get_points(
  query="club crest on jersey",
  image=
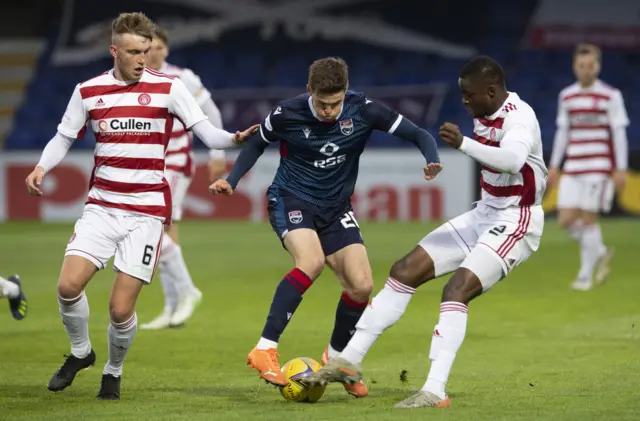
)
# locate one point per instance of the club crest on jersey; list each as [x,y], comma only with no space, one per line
[295,217]
[144,99]
[346,127]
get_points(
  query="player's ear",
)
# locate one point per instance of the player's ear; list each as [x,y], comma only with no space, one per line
[112,50]
[491,91]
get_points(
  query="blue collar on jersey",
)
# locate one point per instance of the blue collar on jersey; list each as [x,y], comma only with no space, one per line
[313,111]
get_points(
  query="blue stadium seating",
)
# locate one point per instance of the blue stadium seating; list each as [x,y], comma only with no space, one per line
[536,75]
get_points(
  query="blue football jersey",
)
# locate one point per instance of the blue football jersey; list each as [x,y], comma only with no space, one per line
[319,160]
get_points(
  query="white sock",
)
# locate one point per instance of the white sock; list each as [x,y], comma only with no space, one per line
[385,310]
[176,265]
[575,230]
[8,289]
[168,287]
[591,249]
[75,318]
[120,336]
[332,353]
[451,329]
[265,344]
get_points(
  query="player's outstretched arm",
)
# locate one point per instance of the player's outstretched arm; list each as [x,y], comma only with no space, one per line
[384,119]
[252,150]
[52,155]
[510,157]
[184,105]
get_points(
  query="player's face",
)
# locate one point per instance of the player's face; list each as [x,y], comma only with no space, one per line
[586,68]
[328,106]
[158,54]
[131,53]
[476,96]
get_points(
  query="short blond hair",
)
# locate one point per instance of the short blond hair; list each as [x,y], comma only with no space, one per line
[587,49]
[133,23]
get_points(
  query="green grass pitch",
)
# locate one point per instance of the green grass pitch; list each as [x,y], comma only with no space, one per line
[535,350]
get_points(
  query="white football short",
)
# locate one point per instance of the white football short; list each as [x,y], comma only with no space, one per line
[489,242]
[586,193]
[134,240]
[179,184]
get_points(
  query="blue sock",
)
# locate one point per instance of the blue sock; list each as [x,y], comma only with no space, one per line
[347,315]
[286,299]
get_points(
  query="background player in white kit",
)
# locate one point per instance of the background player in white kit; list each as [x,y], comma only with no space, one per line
[592,123]
[130,109]
[480,247]
[180,294]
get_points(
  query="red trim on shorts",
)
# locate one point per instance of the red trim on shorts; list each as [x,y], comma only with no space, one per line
[518,234]
[158,248]
[602,194]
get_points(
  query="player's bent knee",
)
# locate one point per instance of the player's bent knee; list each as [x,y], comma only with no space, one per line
[414,269]
[360,290]
[312,266]
[120,312]
[463,287]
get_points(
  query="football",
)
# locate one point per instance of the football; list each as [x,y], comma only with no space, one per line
[296,391]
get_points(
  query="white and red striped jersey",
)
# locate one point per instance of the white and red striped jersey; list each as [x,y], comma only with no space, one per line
[132,123]
[527,187]
[586,120]
[179,155]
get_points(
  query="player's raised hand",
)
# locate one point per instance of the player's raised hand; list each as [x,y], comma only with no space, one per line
[221,186]
[241,137]
[34,181]
[451,134]
[432,170]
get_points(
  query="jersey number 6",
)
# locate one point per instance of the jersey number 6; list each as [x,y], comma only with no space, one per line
[148,255]
[349,220]
[497,230]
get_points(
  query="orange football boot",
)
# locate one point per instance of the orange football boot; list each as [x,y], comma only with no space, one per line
[357,390]
[265,361]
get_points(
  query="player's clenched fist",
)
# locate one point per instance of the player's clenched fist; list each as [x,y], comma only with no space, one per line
[34,181]
[241,137]
[451,134]
[432,170]
[221,187]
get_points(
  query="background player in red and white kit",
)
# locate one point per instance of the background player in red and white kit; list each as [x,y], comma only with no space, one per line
[180,294]
[131,111]
[592,123]
[480,247]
